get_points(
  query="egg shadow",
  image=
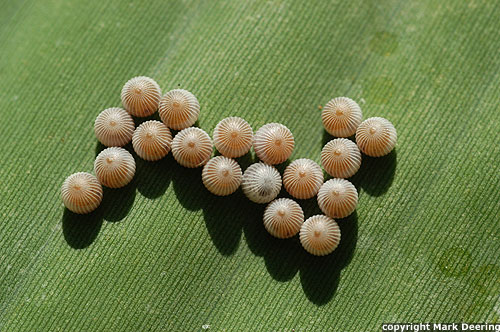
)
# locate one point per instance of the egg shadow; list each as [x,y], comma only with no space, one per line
[280,255]
[222,215]
[189,189]
[140,120]
[320,275]
[284,258]
[327,138]
[224,222]
[99,147]
[376,175]
[153,177]
[80,230]
[117,202]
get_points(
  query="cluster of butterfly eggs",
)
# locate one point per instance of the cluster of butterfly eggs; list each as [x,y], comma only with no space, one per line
[233,137]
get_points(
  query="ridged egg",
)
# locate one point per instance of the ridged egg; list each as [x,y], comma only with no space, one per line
[283,218]
[114,127]
[261,183]
[320,235]
[273,143]
[337,198]
[179,109]
[341,158]
[376,137]
[303,178]
[233,137]
[221,176]
[192,147]
[152,140]
[141,96]
[114,167]
[341,117]
[81,193]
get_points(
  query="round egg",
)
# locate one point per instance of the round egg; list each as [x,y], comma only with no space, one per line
[233,137]
[320,235]
[179,109]
[341,117]
[303,178]
[376,137]
[114,127]
[81,193]
[337,198]
[152,140]
[283,218]
[221,176]
[273,143]
[341,158]
[192,147]
[141,96]
[114,167]
[261,183]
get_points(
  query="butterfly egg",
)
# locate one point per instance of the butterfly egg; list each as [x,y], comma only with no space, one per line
[341,116]
[320,235]
[221,176]
[261,183]
[141,96]
[192,147]
[81,193]
[114,127]
[273,143]
[337,198]
[179,109]
[233,137]
[114,167]
[376,137]
[341,158]
[283,218]
[303,178]
[152,140]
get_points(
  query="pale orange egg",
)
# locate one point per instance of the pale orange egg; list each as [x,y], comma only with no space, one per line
[273,143]
[320,235]
[341,158]
[141,96]
[303,178]
[283,218]
[376,137]
[337,198]
[192,147]
[81,193]
[341,117]
[152,140]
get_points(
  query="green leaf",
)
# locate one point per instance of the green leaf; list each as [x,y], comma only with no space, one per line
[165,255]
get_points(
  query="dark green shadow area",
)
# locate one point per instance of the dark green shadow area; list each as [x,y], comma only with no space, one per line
[225,219]
[320,276]
[117,202]
[285,257]
[376,175]
[153,177]
[138,121]
[223,225]
[80,230]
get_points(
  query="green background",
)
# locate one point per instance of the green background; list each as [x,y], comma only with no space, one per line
[163,254]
